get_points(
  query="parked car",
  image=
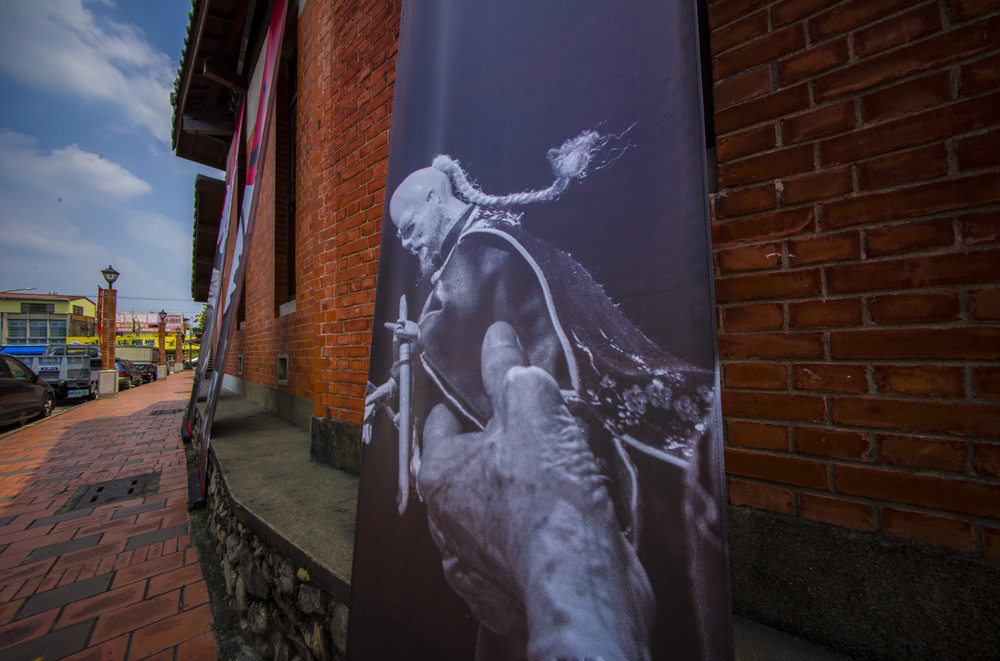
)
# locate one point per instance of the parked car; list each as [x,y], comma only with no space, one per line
[128,374]
[148,371]
[71,370]
[23,395]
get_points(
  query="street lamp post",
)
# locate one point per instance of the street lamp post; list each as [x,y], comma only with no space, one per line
[179,351]
[187,341]
[162,333]
[110,274]
[107,304]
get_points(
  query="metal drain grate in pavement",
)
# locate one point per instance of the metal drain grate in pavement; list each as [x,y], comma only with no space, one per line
[166,411]
[113,491]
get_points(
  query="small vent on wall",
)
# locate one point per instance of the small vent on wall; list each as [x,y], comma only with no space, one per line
[283,370]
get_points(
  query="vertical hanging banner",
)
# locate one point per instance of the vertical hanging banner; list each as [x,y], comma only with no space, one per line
[260,111]
[542,472]
[100,311]
[100,329]
[211,321]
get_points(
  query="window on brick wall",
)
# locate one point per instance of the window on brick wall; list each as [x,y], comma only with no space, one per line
[708,107]
[285,178]
[241,311]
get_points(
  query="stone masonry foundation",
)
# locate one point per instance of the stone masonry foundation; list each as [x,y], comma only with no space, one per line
[290,616]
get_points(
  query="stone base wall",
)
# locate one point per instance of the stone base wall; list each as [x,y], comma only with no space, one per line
[336,443]
[861,594]
[289,615]
[291,407]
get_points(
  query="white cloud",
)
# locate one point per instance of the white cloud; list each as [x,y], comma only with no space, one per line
[166,239]
[43,247]
[60,46]
[68,174]
[67,213]
[52,248]
[51,235]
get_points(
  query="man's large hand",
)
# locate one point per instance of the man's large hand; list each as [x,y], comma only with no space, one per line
[524,523]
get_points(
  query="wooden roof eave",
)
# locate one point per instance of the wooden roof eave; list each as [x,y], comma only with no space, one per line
[208,80]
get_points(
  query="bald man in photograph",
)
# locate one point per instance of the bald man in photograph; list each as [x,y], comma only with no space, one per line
[563,454]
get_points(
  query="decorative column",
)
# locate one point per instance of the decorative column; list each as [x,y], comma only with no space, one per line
[107,299]
[161,369]
[179,349]
[106,335]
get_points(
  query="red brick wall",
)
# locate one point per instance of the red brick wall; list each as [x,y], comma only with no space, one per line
[857,240]
[356,108]
[313,203]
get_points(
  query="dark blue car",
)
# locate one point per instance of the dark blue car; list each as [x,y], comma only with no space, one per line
[23,395]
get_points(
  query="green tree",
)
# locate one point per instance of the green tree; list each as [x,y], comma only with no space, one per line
[198,322]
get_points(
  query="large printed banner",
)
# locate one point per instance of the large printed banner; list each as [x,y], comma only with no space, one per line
[542,472]
[258,127]
[137,322]
[212,320]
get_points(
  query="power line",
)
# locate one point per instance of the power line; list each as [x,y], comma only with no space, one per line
[144,298]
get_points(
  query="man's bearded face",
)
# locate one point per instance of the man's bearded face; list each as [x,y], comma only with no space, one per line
[423,235]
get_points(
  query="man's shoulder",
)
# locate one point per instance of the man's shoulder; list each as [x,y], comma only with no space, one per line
[502,231]
[483,254]
[491,241]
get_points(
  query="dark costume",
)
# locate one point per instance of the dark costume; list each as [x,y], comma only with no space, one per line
[648,415]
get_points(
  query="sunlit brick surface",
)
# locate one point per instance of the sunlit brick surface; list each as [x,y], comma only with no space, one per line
[120,580]
[858,261]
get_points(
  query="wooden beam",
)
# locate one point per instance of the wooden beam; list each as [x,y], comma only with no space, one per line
[207,126]
[221,16]
[216,70]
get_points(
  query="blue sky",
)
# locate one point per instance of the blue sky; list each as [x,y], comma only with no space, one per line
[87,177]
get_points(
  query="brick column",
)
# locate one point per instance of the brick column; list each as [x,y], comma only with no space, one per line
[161,330]
[106,337]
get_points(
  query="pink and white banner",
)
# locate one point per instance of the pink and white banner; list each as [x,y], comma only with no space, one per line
[259,116]
[212,319]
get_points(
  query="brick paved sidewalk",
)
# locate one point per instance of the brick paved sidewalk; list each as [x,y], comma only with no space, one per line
[114,581]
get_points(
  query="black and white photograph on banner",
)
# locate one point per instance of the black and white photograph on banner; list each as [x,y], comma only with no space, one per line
[542,465]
